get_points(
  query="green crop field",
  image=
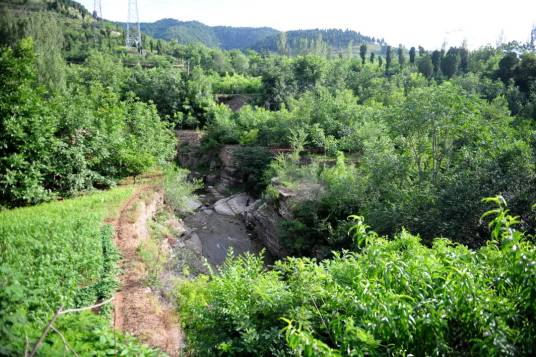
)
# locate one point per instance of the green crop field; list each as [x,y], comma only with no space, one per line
[52,255]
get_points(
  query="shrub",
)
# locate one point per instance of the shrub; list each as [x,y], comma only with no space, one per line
[391,297]
[252,165]
[178,190]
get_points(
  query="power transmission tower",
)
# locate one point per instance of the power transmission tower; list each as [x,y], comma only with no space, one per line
[133,38]
[97,16]
[533,38]
[97,9]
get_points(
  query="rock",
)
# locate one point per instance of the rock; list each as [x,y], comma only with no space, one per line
[266,221]
[234,205]
[194,244]
[208,211]
[221,207]
[192,205]
[239,203]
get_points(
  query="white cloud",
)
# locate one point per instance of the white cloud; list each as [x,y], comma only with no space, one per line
[410,22]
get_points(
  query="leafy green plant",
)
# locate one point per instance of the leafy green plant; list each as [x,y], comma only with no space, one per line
[178,190]
[52,255]
[392,297]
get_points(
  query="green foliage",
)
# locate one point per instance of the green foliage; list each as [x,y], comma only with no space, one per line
[394,297]
[89,334]
[74,141]
[52,255]
[26,128]
[252,165]
[178,190]
[236,84]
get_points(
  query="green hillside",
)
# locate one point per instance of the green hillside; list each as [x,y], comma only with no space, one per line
[261,39]
[188,32]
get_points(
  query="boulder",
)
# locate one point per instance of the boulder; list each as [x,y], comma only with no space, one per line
[194,244]
[234,205]
[192,205]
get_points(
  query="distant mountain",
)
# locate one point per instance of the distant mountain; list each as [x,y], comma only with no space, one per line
[187,32]
[260,39]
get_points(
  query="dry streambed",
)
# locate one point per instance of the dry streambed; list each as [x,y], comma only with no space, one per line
[159,250]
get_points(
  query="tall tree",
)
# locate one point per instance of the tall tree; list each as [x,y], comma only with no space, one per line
[282,43]
[436,61]
[464,59]
[372,57]
[507,66]
[350,49]
[525,73]
[451,62]
[422,51]
[426,68]
[401,56]
[380,61]
[388,58]
[363,53]
[412,53]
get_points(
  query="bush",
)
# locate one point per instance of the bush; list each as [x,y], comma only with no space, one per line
[252,164]
[393,297]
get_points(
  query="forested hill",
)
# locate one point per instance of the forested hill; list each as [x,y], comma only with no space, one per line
[187,32]
[300,40]
[259,39]
[67,8]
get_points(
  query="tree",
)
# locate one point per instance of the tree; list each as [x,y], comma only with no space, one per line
[422,51]
[412,53]
[363,52]
[464,59]
[372,56]
[525,73]
[380,61]
[436,61]
[507,67]
[401,56]
[27,140]
[388,58]
[451,63]
[282,43]
[426,68]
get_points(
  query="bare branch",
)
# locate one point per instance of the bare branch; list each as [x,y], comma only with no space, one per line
[64,341]
[53,319]
[45,332]
[87,307]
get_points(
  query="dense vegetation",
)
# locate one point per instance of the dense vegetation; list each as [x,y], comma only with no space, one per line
[190,32]
[392,297]
[60,254]
[410,139]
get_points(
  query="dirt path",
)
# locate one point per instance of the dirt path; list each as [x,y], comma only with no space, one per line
[138,310]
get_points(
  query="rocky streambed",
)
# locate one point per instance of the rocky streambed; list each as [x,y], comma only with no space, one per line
[217,227]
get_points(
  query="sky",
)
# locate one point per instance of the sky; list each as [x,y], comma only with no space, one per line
[429,23]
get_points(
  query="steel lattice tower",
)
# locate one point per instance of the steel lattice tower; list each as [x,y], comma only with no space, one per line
[133,38]
[97,9]
[533,37]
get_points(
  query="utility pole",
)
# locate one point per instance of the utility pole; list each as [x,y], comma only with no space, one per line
[133,38]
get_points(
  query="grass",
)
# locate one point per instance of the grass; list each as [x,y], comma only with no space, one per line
[52,255]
